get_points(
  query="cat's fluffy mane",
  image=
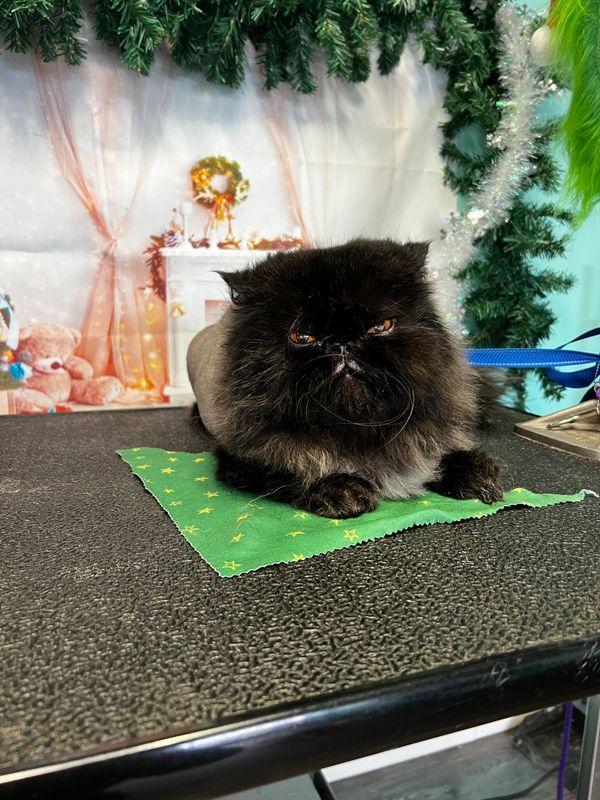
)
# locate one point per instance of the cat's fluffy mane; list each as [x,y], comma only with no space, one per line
[412,401]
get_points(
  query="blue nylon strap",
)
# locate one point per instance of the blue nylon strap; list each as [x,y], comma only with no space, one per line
[529,358]
[548,359]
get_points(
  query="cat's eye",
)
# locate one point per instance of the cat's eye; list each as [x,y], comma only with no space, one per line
[296,337]
[383,327]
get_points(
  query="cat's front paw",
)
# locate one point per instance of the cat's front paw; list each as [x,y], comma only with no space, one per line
[487,490]
[470,475]
[341,496]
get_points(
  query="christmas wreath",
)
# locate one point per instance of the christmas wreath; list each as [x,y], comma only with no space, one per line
[220,203]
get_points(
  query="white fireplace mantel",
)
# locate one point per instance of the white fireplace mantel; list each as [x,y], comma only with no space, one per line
[196,296]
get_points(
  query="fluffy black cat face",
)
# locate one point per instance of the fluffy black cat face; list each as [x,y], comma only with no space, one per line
[343,335]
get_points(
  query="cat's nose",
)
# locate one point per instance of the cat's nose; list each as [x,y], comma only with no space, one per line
[350,366]
[343,366]
[342,361]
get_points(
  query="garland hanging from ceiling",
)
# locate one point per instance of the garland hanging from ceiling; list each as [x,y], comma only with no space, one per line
[517,148]
[505,301]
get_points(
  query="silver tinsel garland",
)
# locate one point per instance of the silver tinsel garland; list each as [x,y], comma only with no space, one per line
[514,140]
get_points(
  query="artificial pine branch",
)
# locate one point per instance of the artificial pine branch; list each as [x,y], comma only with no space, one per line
[20,22]
[57,33]
[134,26]
[301,48]
[68,24]
[393,32]
[223,58]
[360,25]
[329,33]
[182,21]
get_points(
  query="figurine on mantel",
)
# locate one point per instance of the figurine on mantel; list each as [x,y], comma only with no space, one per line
[288,240]
[285,241]
[185,211]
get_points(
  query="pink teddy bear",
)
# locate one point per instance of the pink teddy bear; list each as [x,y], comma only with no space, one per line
[58,375]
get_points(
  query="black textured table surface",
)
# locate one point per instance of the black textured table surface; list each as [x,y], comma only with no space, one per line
[113,630]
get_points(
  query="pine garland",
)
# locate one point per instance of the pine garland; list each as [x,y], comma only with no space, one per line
[506,304]
[156,265]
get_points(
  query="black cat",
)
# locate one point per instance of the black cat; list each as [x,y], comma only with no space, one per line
[332,383]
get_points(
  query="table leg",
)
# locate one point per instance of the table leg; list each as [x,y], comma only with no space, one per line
[588,784]
[322,786]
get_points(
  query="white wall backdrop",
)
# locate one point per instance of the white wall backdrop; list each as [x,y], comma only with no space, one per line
[95,158]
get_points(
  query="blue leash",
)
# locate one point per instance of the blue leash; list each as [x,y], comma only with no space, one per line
[548,359]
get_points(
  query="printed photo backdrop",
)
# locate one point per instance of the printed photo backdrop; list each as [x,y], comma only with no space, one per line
[107,243]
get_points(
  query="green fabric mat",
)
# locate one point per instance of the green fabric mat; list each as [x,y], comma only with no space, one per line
[236,532]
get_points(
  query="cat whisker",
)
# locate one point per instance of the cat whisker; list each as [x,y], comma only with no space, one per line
[381,424]
[395,436]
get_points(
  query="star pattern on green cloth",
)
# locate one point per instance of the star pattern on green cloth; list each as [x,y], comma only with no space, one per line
[236,532]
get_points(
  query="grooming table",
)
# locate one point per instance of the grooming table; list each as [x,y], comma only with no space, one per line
[129,669]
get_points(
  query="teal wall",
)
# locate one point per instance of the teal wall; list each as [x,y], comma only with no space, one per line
[579,309]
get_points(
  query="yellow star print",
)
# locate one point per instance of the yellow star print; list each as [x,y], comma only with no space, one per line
[300,515]
[143,466]
[176,503]
[201,478]
[424,503]
[172,460]
[168,491]
[298,557]
[232,565]
[191,529]
[211,494]
[170,451]
[335,521]
[296,533]
[198,460]
[479,516]
[135,449]
[242,517]
[205,510]
[237,537]
[167,470]
[351,535]
[518,491]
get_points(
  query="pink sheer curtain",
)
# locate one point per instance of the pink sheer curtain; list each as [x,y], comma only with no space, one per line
[105,140]
[363,159]
[276,125]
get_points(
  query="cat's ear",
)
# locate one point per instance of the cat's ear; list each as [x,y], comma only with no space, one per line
[406,268]
[419,251]
[414,254]
[239,283]
[406,258]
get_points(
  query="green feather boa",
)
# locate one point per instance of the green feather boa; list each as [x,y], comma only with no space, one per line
[576,38]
